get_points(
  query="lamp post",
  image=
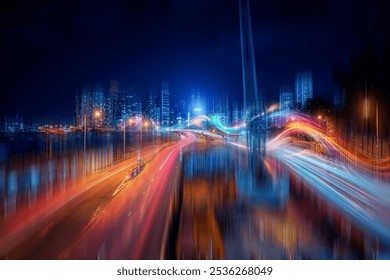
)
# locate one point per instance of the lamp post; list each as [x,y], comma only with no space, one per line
[96,115]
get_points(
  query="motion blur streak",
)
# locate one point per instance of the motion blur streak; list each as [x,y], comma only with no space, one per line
[331,172]
[307,126]
[131,226]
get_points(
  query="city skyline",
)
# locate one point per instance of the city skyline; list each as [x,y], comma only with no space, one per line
[188,44]
[115,101]
[197,129]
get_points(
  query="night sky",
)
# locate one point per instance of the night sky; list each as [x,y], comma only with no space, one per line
[48,48]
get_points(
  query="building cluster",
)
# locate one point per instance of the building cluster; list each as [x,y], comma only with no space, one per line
[111,107]
[99,107]
[296,98]
[293,97]
[13,123]
[16,123]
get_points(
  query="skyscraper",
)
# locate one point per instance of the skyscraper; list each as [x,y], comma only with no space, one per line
[86,106]
[98,104]
[286,103]
[118,103]
[236,114]
[286,98]
[88,103]
[196,105]
[165,105]
[151,104]
[107,111]
[303,88]
[133,101]
[78,113]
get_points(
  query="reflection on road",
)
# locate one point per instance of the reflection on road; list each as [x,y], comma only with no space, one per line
[186,196]
[259,208]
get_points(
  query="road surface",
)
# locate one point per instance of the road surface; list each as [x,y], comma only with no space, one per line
[108,220]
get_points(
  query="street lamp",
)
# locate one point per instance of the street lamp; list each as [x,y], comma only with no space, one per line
[97,116]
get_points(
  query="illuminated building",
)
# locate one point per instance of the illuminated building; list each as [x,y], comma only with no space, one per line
[303,88]
[237,115]
[78,114]
[286,103]
[179,114]
[14,123]
[107,111]
[90,102]
[98,104]
[286,98]
[151,104]
[84,107]
[118,103]
[133,102]
[221,108]
[196,106]
[165,105]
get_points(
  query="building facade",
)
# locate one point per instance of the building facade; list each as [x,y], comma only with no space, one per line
[165,105]
[303,88]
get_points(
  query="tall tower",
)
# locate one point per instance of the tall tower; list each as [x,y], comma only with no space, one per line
[303,88]
[165,108]
[116,103]
[252,104]
[286,98]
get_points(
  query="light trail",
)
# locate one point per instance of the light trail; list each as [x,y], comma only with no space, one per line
[132,223]
[309,127]
[216,122]
[241,146]
[340,176]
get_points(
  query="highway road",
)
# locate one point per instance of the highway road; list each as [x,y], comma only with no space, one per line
[107,220]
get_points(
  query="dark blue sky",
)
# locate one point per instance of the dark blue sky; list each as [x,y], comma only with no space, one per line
[48,48]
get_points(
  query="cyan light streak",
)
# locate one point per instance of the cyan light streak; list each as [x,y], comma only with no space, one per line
[235,130]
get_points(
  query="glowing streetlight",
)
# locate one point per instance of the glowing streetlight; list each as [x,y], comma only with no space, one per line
[97,114]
